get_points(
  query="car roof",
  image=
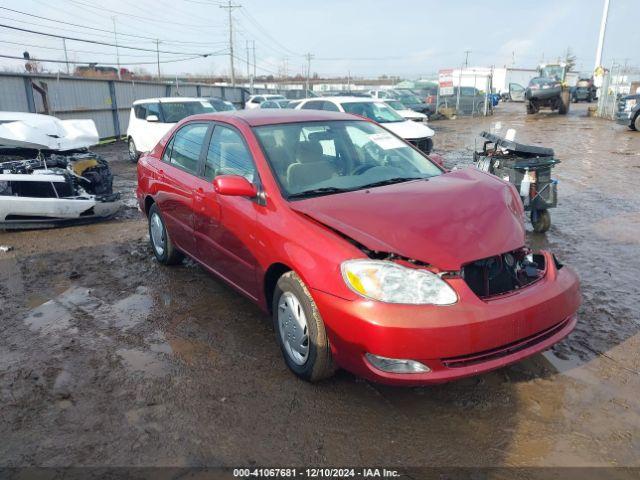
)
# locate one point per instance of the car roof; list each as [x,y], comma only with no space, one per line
[170,100]
[339,99]
[258,117]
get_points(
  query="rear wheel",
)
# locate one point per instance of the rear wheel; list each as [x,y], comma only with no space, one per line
[531,108]
[636,123]
[541,220]
[133,151]
[565,101]
[163,248]
[300,330]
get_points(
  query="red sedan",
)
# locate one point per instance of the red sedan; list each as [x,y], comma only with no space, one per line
[367,254]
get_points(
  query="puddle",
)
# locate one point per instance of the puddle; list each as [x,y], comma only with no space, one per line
[56,314]
[146,362]
[133,309]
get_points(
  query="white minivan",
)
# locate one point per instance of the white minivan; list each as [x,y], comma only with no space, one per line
[416,133]
[150,119]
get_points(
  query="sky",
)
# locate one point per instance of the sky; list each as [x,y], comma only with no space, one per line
[409,39]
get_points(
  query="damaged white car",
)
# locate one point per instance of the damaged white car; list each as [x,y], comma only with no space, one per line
[48,177]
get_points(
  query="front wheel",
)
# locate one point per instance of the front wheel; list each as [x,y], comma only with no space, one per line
[636,123]
[541,220]
[300,330]
[163,248]
[134,155]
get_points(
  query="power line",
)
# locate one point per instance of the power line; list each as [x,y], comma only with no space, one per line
[70,23]
[104,63]
[139,17]
[251,19]
[91,52]
[97,42]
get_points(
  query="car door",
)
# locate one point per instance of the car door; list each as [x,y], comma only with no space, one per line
[151,127]
[225,225]
[516,92]
[177,187]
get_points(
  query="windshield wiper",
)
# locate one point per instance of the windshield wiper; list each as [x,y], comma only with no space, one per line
[391,181]
[318,191]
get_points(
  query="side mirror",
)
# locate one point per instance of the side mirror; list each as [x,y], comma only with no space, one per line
[234,186]
[152,118]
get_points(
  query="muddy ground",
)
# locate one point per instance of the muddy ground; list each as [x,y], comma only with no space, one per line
[107,358]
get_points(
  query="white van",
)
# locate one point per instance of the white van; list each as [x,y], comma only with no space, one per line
[150,119]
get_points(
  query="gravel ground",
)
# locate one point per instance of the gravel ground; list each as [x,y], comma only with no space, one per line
[109,359]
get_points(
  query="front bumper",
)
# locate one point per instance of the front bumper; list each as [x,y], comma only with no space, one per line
[471,337]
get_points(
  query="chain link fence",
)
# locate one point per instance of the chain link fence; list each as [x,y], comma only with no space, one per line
[472,97]
[617,82]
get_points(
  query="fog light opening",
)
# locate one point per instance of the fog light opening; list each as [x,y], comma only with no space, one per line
[396,365]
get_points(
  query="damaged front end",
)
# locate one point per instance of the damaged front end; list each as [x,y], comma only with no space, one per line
[42,189]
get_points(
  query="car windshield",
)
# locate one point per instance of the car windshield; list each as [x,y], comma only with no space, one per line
[173,112]
[376,111]
[553,71]
[322,158]
[275,97]
[408,98]
[395,104]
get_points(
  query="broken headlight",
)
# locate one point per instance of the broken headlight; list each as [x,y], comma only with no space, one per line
[392,283]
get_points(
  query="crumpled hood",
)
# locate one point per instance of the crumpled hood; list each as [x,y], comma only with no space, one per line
[44,132]
[446,221]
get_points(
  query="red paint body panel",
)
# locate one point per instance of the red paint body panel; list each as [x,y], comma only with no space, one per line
[487,218]
[446,221]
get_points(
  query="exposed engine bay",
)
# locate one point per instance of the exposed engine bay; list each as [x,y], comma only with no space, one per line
[503,273]
[43,182]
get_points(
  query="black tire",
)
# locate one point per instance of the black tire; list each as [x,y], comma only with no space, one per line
[635,125]
[563,107]
[319,362]
[531,108]
[543,221]
[168,254]
[134,154]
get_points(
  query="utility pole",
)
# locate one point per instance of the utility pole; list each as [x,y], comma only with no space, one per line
[115,35]
[66,56]
[308,56]
[466,58]
[254,59]
[158,56]
[603,28]
[230,8]
[248,72]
